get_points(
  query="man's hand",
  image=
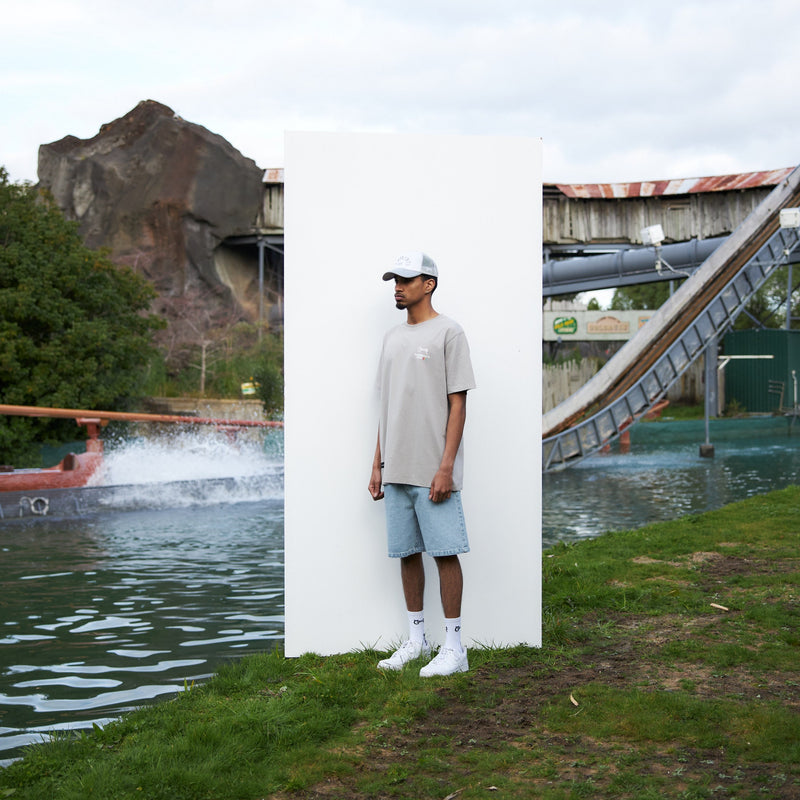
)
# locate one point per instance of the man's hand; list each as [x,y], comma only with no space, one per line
[441,485]
[376,478]
[375,484]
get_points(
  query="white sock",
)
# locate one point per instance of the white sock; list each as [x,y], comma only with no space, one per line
[452,634]
[416,626]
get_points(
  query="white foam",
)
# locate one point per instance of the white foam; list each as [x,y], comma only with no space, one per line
[183,456]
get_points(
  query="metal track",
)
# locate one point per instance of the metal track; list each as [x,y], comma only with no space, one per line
[702,309]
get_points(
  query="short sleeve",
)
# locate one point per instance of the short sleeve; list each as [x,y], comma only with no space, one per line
[458,364]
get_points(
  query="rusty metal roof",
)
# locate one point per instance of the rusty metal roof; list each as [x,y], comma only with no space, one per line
[720,183]
[273,175]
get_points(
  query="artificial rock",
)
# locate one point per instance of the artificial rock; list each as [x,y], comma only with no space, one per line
[162,194]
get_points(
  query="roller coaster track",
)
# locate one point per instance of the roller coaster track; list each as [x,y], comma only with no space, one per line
[700,311]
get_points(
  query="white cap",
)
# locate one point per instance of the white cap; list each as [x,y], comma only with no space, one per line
[409,265]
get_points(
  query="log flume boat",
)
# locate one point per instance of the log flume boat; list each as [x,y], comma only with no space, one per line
[76,470]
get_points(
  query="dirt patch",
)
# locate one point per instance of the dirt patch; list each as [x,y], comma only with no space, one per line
[514,719]
[726,566]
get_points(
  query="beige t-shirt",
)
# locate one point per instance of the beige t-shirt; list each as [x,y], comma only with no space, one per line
[419,366]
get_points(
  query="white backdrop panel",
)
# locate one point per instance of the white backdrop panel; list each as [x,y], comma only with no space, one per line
[353,202]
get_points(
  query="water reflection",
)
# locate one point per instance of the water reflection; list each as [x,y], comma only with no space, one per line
[663,476]
[99,615]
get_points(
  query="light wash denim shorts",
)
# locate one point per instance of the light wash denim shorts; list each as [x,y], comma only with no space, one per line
[416,524]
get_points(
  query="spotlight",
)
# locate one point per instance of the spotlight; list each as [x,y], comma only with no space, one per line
[653,235]
[790,217]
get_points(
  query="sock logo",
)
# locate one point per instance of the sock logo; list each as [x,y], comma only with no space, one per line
[418,621]
[456,629]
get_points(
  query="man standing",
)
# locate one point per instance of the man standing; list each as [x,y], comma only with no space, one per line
[424,375]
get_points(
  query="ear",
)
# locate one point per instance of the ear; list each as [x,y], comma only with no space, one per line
[429,284]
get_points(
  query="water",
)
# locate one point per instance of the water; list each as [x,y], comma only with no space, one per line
[180,567]
[663,477]
[103,612]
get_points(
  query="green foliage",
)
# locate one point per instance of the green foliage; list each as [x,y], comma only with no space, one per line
[73,327]
[640,296]
[572,356]
[767,307]
[683,411]
[239,357]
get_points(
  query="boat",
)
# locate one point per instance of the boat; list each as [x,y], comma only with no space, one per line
[31,490]
[75,470]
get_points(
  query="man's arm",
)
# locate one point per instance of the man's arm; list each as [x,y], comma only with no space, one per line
[375,478]
[442,483]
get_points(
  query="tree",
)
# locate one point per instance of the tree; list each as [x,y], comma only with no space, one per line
[196,323]
[73,327]
[767,307]
[640,296]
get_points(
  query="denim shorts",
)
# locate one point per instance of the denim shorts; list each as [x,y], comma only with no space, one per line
[416,524]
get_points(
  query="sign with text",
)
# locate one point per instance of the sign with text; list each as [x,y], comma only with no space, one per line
[609,326]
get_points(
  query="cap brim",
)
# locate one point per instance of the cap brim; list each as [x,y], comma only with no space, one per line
[401,273]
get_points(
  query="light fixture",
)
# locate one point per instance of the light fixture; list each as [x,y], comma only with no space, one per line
[790,217]
[653,235]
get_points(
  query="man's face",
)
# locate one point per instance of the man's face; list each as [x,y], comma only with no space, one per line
[408,291]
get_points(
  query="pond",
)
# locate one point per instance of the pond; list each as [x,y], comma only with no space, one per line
[183,570]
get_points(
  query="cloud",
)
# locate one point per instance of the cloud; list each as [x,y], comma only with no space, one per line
[618,90]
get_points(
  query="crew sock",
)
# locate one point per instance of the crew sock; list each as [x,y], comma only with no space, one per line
[452,634]
[416,626]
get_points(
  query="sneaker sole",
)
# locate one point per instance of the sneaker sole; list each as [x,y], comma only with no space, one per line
[423,674]
[386,665]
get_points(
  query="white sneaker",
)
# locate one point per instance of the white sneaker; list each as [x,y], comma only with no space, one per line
[447,662]
[407,651]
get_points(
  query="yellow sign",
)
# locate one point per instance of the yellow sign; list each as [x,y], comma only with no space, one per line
[565,325]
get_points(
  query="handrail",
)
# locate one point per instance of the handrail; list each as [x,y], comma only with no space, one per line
[124,416]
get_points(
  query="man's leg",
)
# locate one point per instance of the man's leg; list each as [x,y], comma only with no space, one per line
[452,657]
[451,585]
[412,573]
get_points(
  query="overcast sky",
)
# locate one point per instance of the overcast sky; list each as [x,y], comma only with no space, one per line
[618,90]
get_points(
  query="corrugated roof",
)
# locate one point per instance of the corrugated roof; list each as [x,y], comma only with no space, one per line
[720,183]
[273,175]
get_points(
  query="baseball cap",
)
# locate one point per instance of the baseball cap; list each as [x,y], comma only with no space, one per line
[409,265]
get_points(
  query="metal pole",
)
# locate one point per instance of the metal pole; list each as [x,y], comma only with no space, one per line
[710,358]
[126,416]
[789,300]
[260,287]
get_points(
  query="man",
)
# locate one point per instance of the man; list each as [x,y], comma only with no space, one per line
[423,378]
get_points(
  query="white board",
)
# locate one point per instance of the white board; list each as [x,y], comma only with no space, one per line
[353,202]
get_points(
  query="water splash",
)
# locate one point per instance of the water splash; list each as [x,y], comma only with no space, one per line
[181,468]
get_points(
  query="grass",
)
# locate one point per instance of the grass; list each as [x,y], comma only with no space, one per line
[669,670]
[684,411]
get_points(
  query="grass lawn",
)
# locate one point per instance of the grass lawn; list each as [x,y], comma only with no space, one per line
[670,669]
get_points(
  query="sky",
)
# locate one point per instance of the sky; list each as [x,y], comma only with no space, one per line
[618,90]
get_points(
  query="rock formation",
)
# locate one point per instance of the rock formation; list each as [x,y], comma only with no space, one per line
[162,193]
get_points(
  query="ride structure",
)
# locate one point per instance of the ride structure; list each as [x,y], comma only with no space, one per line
[683,329]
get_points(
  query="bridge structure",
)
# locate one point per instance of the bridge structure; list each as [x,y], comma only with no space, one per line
[724,234]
